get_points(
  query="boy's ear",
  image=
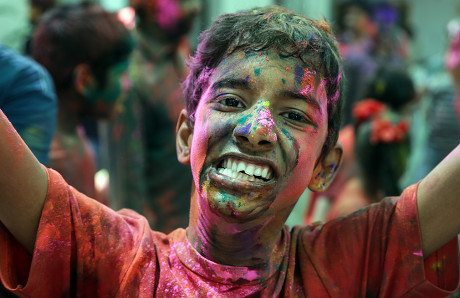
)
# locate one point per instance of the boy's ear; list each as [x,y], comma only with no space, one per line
[82,78]
[326,169]
[184,137]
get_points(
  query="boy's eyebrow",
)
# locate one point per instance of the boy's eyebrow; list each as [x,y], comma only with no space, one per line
[311,101]
[231,83]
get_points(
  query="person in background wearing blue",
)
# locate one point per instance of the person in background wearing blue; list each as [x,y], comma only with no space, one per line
[28,99]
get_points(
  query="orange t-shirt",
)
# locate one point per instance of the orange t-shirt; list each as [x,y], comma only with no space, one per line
[85,249]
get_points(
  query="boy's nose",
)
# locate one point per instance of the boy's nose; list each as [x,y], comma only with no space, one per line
[258,133]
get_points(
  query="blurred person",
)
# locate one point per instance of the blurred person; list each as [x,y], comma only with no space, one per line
[357,34]
[148,178]
[37,8]
[376,148]
[393,42]
[28,98]
[85,49]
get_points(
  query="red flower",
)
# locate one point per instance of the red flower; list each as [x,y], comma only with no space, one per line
[383,131]
[366,109]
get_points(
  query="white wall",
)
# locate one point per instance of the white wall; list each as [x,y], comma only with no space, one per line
[217,8]
[429,19]
[114,5]
[315,9]
[14,23]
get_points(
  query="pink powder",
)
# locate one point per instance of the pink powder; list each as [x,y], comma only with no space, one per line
[265,119]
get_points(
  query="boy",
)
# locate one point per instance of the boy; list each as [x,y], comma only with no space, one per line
[263,109]
[85,49]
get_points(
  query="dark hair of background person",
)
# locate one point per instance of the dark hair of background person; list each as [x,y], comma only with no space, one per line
[83,33]
[270,28]
[381,165]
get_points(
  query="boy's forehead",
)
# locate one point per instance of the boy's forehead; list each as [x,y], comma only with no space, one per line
[269,66]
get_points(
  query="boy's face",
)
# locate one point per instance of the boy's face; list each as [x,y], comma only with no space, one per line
[258,133]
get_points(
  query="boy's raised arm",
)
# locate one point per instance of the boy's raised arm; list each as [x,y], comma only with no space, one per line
[23,186]
[438,201]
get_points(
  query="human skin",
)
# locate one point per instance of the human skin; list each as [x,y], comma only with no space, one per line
[267,111]
[23,186]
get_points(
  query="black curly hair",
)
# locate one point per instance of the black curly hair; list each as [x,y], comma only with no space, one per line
[277,28]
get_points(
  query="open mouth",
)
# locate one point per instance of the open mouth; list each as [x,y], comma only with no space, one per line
[244,170]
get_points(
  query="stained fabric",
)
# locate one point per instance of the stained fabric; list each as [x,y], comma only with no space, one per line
[85,249]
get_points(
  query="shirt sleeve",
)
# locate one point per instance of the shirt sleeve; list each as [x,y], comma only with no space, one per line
[82,248]
[377,252]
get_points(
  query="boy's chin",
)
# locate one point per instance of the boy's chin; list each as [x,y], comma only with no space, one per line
[237,207]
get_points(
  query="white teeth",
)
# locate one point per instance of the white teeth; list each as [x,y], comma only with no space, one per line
[264,173]
[250,170]
[242,170]
[241,166]
[234,165]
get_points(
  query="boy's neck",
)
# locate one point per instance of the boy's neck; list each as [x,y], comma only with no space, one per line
[249,244]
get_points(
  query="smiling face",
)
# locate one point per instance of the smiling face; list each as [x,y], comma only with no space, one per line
[258,133]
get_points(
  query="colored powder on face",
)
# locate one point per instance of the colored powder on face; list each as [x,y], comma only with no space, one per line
[257,71]
[243,130]
[287,134]
[322,89]
[246,79]
[265,119]
[307,82]
[299,72]
[243,120]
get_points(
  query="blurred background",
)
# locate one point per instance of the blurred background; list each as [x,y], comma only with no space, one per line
[427,18]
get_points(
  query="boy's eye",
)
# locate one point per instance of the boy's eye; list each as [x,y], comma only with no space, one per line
[231,102]
[295,117]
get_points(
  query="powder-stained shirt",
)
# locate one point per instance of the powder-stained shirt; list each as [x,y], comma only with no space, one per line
[85,249]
